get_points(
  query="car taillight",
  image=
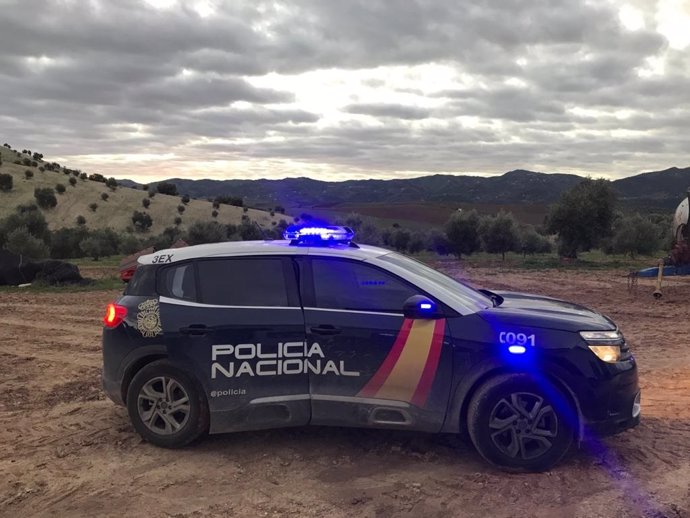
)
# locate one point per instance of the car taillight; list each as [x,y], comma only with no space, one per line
[114,315]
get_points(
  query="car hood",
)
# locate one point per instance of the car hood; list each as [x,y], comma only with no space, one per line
[524,309]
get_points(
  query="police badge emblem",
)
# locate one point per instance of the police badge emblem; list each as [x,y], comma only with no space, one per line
[149,319]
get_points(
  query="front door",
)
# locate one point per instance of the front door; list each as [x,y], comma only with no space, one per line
[238,326]
[377,368]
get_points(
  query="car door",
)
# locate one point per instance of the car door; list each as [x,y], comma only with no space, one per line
[377,368]
[237,324]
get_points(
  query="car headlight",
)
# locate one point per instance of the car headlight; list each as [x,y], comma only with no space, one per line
[601,336]
[605,344]
[607,353]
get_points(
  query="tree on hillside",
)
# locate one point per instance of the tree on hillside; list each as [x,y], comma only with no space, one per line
[146,203]
[462,231]
[205,232]
[180,209]
[400,239]
[93,206]
[94,247]
[167,188]
[97,177]
[185,199]
[20,241]
[72,181]
[111,183]
[499,234]
[83,176]
[6,182]
[60,188]
[28,174]
[142,221]
[81,220]
[104,196]
[45,197]
[214,213]
[236,201]
[634,235]
[25,216]
[177,220]
[583,216]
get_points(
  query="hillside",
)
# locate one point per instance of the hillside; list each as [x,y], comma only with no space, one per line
[512,187]
[117,211]
[654,190]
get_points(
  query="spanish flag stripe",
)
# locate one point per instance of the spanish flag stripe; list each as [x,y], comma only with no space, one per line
[378,379]
[403,379]
[427,380]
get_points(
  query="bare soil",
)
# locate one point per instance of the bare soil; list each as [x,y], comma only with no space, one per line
[67,451]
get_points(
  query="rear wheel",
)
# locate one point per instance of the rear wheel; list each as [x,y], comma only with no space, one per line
[519,424]
[166,406]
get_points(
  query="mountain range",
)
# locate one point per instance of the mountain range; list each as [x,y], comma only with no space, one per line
[657,190]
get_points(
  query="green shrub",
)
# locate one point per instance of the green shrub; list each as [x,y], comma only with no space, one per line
[45,197]
[104,196]
[93,206]
[146,203]
[81,220]
[167,188]
[205,232]
[214,214]
[462,232]
[6,182]
[20,241]
[178,220]
[73,181]
[28,174]
[60,188]
[142,221]
[180,209]
[185,199]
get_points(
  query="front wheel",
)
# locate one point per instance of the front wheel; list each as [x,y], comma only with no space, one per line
[166,406]
[520,424]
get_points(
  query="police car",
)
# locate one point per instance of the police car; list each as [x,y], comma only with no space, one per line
[318,330]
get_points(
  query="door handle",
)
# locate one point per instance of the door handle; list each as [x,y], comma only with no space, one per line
[326,329]
[194,330]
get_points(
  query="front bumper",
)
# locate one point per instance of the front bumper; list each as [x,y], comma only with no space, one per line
[616,422]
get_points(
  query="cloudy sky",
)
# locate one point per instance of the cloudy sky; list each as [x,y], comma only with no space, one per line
[339,89]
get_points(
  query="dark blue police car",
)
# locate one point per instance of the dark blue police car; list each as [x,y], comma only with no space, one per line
[317,330]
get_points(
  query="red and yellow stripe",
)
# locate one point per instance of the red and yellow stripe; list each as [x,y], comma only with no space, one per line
[408,372]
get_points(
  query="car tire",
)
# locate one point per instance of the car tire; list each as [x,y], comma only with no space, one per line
[166,405]
[520,423]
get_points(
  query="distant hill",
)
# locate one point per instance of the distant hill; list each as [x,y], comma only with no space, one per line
[512,187]
[661,190]
[116,212]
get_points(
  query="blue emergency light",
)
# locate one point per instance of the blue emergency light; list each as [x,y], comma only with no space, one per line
[321,235]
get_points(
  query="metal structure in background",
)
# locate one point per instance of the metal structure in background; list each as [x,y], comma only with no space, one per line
[678,260]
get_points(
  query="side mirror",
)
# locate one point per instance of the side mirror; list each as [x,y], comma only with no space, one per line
[421,307]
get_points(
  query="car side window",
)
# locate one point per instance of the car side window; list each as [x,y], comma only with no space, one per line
[250,281]
[143,283]
[178,282]
[351,285]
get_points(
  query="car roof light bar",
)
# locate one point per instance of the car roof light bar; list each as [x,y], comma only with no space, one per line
[319,235]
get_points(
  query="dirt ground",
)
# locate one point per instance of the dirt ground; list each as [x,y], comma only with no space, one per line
[67,451]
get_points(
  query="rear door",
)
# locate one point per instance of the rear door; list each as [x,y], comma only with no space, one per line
[240,329]
[377,368]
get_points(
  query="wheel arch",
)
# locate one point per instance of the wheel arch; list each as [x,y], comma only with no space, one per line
[456,415]
[137,360]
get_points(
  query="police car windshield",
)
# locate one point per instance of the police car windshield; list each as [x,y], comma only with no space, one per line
[422,270]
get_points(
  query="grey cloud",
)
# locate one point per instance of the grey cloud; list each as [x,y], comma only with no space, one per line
[397,111]
[120,63]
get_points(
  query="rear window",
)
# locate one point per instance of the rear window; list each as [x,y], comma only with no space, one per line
[247,282]
[177,282]
[143,283]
